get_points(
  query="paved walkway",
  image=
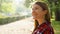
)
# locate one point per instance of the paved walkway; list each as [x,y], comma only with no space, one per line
[24,26]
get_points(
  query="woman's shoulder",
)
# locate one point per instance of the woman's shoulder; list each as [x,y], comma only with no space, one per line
[49,30]
[45,26]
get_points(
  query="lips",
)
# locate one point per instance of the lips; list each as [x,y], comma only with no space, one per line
[33,16]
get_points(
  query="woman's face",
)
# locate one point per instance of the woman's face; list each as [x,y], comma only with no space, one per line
[37,11]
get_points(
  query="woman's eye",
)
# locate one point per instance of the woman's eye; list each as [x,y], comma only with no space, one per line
[36,8]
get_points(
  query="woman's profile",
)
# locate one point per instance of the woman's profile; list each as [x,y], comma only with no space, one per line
[41,16]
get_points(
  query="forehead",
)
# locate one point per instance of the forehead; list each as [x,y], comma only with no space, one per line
[35,6]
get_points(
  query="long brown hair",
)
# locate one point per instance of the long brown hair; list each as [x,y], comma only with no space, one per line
[47,16]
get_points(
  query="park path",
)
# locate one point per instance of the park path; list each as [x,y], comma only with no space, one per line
[24,26]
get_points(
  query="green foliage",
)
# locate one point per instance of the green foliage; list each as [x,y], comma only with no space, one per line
[27,3]
[1,16]
[6,7]
[6,20]
[56,26]
[10,19]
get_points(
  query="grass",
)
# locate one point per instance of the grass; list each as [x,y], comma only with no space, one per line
[56,26]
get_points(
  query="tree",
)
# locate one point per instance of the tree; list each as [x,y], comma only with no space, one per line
[27,3]
[57,12]
[6,6]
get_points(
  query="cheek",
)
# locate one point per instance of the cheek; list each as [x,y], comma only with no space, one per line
[40,13]
[38,10]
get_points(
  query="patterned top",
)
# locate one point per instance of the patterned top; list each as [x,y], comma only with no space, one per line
[44,28]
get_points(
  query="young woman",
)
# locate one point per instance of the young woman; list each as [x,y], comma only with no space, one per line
[41,16]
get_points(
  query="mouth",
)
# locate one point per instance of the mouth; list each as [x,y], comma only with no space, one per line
[34,17]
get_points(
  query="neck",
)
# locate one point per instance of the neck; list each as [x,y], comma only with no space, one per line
[41,20]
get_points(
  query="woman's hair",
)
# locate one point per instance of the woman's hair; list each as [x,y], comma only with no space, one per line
[47,16]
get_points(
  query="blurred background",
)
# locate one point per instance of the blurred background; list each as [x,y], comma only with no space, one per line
[16,14]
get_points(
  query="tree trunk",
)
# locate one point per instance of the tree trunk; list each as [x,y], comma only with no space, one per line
[57,14]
